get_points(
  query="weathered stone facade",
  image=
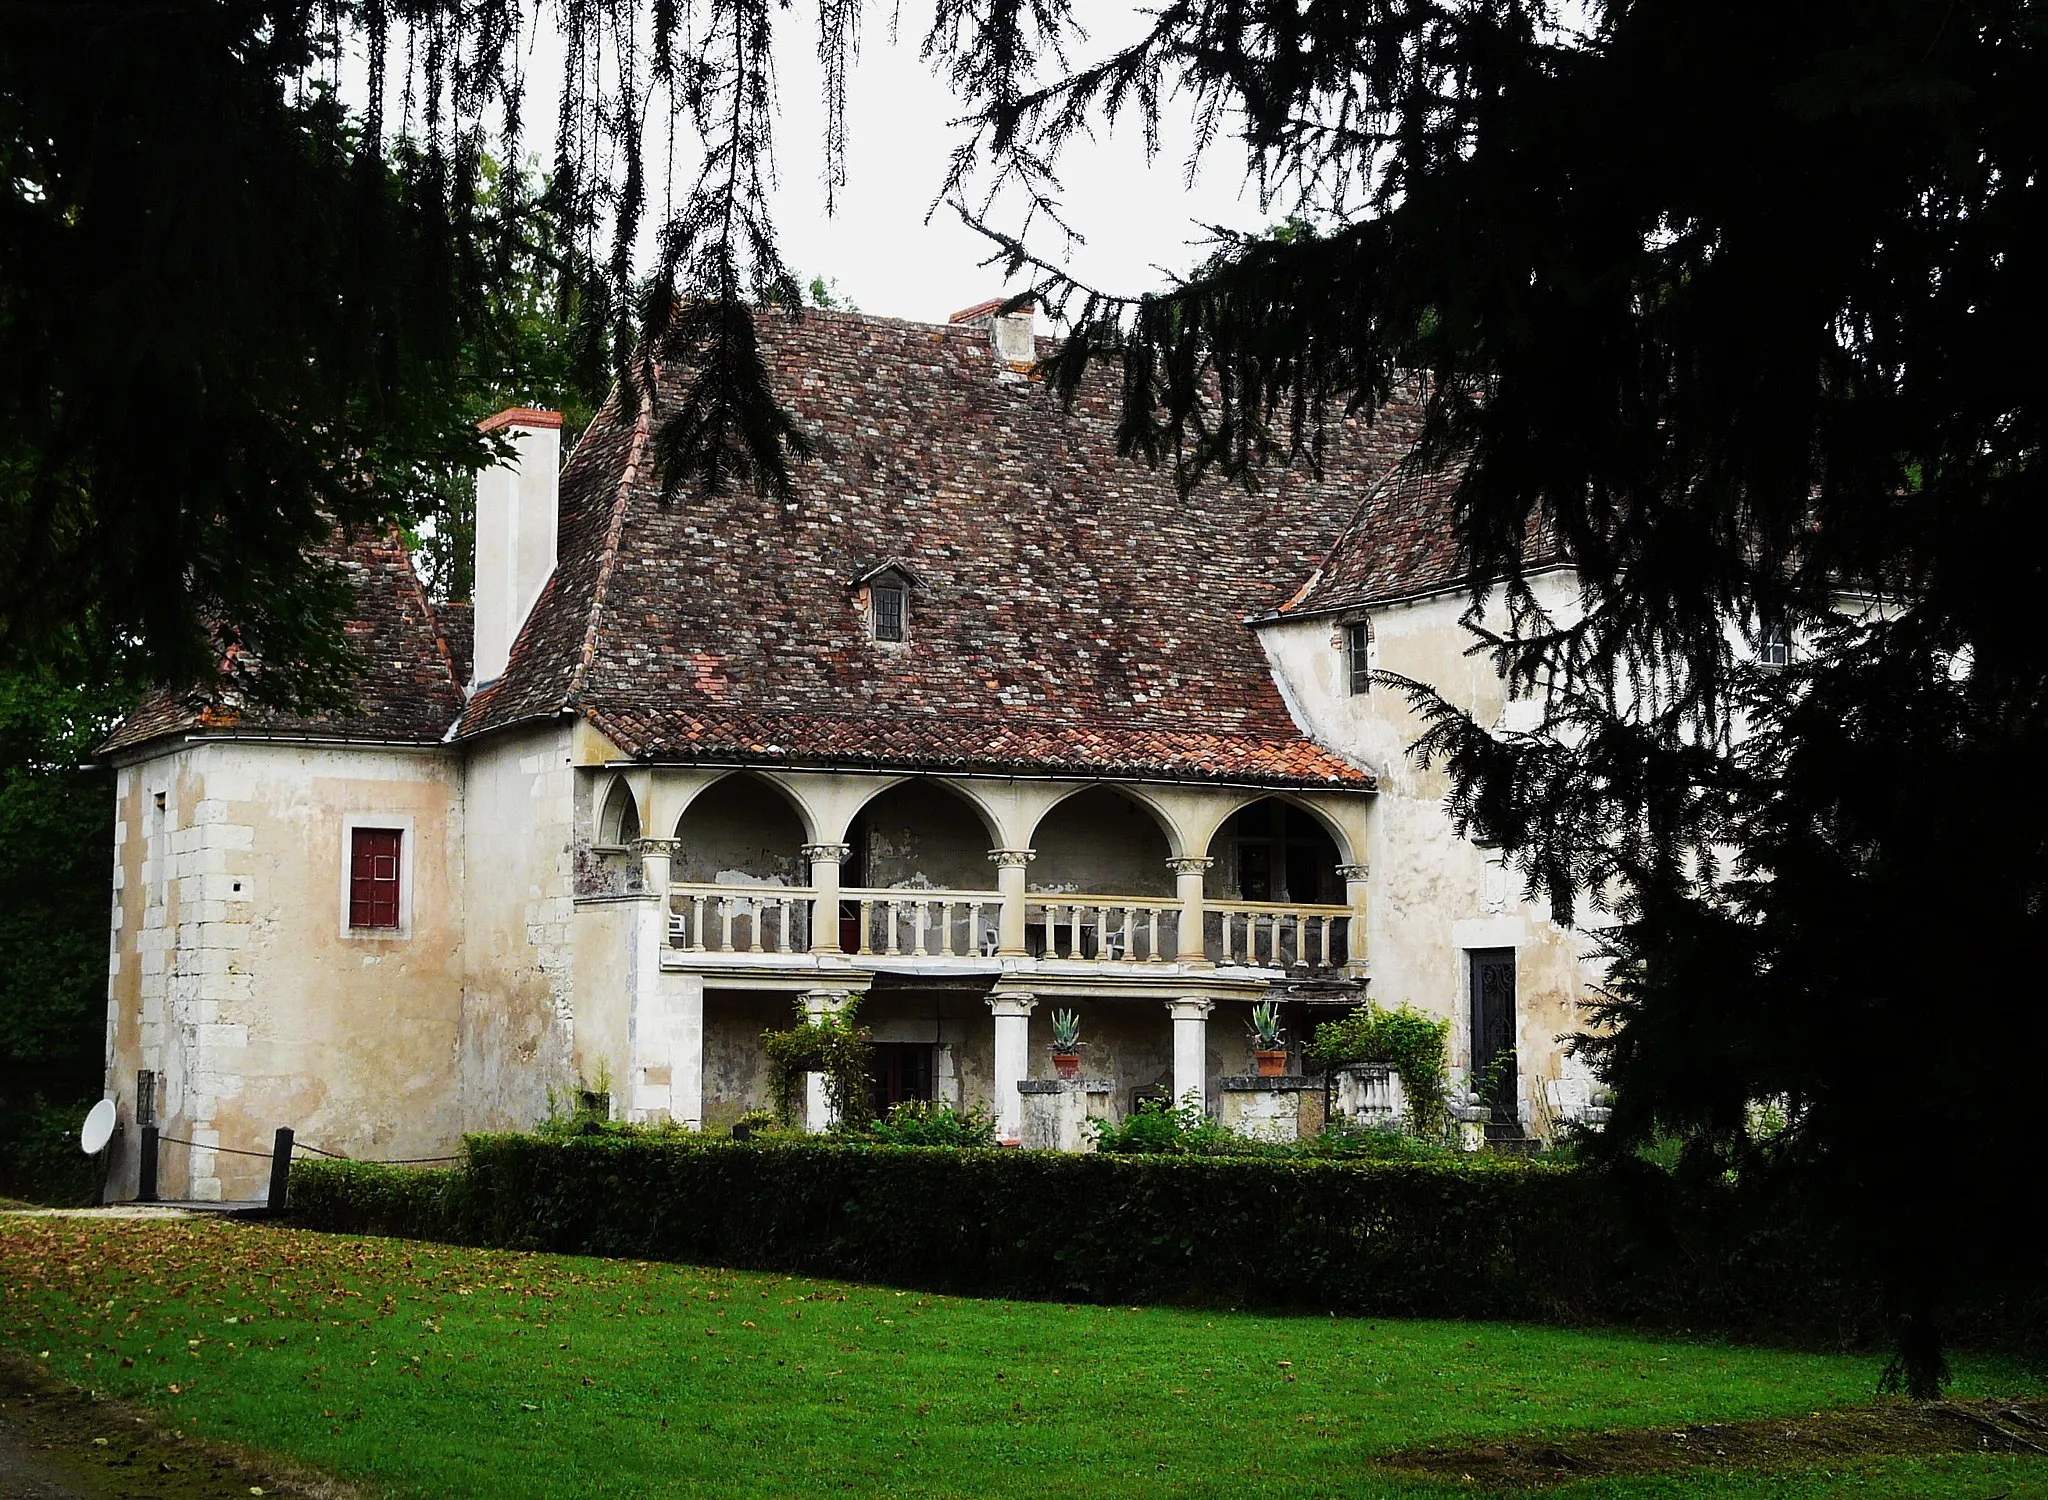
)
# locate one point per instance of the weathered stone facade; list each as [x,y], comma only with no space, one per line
[1115,764]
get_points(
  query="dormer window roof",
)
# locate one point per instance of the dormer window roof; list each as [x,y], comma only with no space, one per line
[888,600]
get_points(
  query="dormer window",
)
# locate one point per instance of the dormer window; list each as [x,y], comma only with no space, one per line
[1774,649]
[1358,657]
[887,589]
[888,612]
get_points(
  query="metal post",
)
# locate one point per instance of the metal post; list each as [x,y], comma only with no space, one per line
[280,1169]
[145,1187]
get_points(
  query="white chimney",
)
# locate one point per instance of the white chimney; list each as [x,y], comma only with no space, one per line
[515,532]
[1013,337]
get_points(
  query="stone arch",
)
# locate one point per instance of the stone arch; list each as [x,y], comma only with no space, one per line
[752,832]
[618,818]
[1104,840]
[1200,839]
[1277,848]
[922,832]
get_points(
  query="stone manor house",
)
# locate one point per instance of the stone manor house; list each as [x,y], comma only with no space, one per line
[981,723]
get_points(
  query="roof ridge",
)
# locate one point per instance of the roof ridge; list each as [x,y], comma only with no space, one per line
[614,534]
[1343,534]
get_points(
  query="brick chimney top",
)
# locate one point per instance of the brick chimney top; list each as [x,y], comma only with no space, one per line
[521,416]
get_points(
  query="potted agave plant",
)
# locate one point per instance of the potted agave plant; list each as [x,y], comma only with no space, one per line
[1066,1044]
[1269,1042]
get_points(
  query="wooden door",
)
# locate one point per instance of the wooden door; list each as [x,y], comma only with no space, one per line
[1493,1032]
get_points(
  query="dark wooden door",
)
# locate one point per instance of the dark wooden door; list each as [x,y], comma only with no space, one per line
[1493,1031]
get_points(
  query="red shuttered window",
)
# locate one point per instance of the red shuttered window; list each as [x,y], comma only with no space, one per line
[373,877]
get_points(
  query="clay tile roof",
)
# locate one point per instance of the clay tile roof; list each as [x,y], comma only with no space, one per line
[408,689]
[1073,612]
[520,416]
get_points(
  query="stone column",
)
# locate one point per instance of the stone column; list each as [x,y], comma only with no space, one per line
[1010,865]
[686,1089]
[825,860]
[1355,885]
[1187,881]
[657,860]
[1190,1050]
[818,1115]
[1013,1059]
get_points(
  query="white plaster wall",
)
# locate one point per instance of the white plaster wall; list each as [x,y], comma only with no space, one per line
[1435,896]
[519,1012]
[231,973]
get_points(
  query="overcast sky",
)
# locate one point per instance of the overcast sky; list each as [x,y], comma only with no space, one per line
[1137,217]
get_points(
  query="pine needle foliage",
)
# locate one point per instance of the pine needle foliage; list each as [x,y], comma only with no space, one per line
[1724,306]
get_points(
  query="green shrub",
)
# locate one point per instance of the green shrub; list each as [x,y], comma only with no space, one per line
[918,1122]
[1414,1045]
[1474,1236]
[355,1197]
[39,1156]
[831,1044]
[1159,1128]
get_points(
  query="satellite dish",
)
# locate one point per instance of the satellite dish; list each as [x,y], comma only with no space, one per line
[98,1128]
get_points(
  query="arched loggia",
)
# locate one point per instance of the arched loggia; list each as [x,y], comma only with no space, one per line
[1275,854]
[740,830]
[1274,850]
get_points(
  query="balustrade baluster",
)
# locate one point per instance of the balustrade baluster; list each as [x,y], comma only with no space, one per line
[1328,922]
[782,945]
[725,924]
[1051,925]
[696,924]
[867,928]
[917,930]
[1074,930]
[974,929]
[1152,935]
[889,948]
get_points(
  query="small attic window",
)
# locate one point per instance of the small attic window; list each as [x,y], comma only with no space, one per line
[1358,657]
[888,600]
[888,611]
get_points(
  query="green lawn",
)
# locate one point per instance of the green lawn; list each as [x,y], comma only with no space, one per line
[437,1371]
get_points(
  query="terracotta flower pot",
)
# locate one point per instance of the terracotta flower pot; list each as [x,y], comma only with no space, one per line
[1066,1064]
[1272,1062]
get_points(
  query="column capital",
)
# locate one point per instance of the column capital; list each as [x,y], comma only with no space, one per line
[833,854]
[1012,858]
[1193,864]
[1012,1004]
[1354,872]
[1190,1009]
[661,848]
[823,1002]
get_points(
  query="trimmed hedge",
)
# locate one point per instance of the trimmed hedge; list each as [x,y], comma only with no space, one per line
[409,1203]
[1475,1238]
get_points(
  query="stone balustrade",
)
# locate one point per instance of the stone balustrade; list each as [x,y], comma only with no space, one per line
[925,923]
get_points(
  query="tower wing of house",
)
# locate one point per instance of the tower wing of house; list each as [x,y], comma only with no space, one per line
[407,691]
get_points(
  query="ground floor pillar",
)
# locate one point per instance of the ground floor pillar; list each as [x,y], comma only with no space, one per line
[1190,1051]
[1012,1061]
[819,1115]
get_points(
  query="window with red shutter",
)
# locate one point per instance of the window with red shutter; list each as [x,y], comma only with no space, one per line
[373,878]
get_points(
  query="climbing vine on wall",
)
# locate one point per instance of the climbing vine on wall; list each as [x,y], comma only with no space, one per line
[832,1043]
[1414,1045]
